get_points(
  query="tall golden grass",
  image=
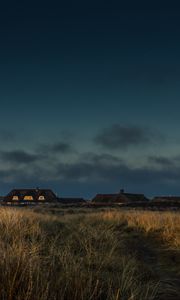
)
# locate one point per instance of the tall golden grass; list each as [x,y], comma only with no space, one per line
[86,256]
[166,223]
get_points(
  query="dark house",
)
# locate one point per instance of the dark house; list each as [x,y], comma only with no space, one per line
[119,198]
[30,196]
[1,198]
[71,200]
[166,198]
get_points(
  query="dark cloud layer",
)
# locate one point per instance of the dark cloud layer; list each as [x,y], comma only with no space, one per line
[56,164]
[108,171]
[91,169]
[122,137]
[162,161]
[58,147]
[103,158]
[62,148]
[19,157]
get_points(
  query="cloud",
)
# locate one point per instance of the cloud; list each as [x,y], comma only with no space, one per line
[162,161]
[59,147]
[88,169]
[121,173]
[123,137]
[44,156]
[19,157]
[103,158]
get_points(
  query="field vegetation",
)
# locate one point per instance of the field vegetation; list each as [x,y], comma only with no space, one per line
[87,255]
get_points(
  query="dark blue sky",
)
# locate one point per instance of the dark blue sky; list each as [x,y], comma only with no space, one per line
[90,96]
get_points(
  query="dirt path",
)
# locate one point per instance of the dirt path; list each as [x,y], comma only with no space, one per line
[157,262]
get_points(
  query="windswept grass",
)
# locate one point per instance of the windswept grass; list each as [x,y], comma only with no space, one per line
[104,255]
[166,223]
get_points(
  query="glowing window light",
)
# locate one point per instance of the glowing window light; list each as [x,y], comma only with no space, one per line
[28,198]
[42,198]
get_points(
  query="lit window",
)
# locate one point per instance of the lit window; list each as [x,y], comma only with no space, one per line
[42,198]
[28,198]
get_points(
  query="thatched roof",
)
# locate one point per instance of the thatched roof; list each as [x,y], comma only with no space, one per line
[119,198]
[46,195]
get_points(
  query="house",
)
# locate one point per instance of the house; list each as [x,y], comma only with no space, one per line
[1,198]
[121,197]
[166,198]
[71,200]
[27,196]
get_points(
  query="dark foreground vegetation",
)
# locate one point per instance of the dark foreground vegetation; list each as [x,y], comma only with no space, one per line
[78,254]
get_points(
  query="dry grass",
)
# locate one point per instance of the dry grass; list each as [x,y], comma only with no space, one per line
[167,223]
[105,255]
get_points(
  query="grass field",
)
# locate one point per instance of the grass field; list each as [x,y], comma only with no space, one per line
[77,255]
